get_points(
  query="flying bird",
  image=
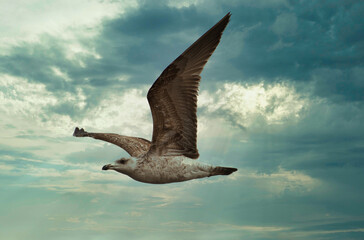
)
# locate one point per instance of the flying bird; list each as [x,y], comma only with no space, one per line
[170,156]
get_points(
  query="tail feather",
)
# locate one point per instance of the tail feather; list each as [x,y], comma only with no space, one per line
[223,171]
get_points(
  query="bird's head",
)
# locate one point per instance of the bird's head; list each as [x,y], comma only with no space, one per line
[122,165]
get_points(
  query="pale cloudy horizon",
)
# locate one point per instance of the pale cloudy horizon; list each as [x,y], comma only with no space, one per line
[281,99]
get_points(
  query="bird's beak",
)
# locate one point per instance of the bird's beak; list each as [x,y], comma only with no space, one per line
[106,167]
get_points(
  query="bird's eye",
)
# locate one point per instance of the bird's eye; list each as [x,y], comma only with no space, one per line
[122,161]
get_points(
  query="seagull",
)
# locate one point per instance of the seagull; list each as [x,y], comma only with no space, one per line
[170,156]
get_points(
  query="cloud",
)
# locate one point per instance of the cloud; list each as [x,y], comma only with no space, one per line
[277,48]
[128,112]
[48,114]
[284,24]
[134,214]
[199,226]
[339,85]
[6,167]
[281,99]
[73,220]
[246,105]
[281,182]
[59,18]
[19,96]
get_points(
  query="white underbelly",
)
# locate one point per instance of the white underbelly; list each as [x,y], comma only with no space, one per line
[168,170]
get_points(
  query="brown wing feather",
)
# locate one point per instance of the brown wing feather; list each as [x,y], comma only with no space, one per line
[135,146]
[173,97]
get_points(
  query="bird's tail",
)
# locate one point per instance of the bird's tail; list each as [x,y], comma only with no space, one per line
[223,171]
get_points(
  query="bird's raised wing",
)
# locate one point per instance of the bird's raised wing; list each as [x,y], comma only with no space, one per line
[173,97]
[135,146]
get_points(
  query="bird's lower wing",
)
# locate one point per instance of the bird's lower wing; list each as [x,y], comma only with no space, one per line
[135,146]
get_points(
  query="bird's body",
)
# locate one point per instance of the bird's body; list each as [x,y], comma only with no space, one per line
[170,156]
[159,170]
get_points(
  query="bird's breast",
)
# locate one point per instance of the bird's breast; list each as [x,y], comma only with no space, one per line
[169,169]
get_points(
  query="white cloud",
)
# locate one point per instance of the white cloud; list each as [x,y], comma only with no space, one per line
[73,220]
[309,234]
[232,3]
[5,167]
[271,104]
[74,49]
[128,113]
[65,19]
[61,74]
[133,214]
[27,107]
[199,226]
[272,184]
[18,96]
[90,221]
[183,4]
[281,181]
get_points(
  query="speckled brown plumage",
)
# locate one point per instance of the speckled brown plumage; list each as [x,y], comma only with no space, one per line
[173,103]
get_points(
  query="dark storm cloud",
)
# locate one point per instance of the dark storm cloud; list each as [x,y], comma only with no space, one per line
[298,41]
[302,41]
[149,38]
[339,84]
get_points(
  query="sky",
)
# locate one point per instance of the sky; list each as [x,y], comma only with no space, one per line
[281,99]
